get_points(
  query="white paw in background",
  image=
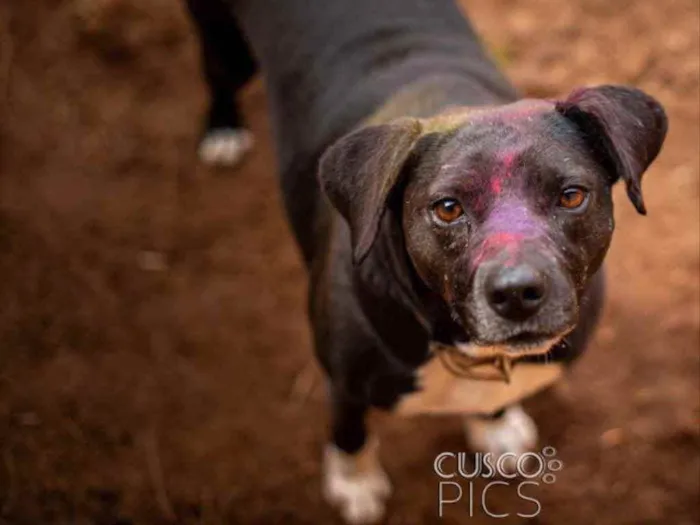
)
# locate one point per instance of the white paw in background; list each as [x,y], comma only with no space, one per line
[225,147]
[515,433]
[356,484]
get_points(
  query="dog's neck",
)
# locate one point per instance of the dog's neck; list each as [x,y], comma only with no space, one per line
[402,310]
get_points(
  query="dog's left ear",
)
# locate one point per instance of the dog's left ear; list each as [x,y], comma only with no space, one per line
[623,126]
[359,171]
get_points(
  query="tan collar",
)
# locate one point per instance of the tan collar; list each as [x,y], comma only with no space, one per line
[492,368]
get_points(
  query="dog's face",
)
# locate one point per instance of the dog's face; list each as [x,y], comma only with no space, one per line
[506,212]
[507,217]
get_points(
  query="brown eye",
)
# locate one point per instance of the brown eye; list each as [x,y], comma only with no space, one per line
[573,198]
[448,210]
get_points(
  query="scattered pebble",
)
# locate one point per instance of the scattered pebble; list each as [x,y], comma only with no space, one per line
[612,437]
[29,419]
[152,261]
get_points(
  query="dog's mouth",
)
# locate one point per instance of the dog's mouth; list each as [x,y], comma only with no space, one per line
[526,341]
[515,346]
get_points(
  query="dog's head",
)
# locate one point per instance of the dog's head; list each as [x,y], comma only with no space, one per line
[506,211]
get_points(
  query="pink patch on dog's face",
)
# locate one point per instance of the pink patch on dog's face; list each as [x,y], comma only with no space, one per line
[501,239]
[497,242]
[524,109]
[503,172]
[508,162]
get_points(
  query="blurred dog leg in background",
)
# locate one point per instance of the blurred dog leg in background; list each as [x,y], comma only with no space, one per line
[227,65]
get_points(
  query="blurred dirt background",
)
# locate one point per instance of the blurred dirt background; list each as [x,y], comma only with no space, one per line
[152,318]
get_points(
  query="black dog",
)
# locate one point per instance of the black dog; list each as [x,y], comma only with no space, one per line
[434,210]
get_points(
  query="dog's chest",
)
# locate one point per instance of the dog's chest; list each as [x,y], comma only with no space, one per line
[443,392]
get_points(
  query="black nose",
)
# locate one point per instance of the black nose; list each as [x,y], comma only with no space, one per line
[516,293]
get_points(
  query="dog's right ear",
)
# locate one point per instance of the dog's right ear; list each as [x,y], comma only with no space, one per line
[358,172]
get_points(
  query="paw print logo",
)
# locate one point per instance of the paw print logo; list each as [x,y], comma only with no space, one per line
[552,464]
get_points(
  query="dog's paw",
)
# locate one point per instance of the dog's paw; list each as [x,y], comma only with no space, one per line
[513,433]
[356,484]
[225,146]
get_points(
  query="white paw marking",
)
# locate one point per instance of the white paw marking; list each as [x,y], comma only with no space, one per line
[515,433]
[225,147]
[356,484]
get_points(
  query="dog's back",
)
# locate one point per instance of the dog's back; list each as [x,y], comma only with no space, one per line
[330,64]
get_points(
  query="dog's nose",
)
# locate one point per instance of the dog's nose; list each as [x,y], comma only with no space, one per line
[517,292]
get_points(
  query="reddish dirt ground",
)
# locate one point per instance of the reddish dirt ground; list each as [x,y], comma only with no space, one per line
[152,310]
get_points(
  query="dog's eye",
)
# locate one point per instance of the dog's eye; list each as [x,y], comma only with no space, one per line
[573,198]
[448,210]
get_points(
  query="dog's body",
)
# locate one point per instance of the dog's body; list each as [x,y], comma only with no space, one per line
[440,213]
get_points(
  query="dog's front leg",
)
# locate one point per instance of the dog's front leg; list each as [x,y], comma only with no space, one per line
[510,431]
[354,480]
